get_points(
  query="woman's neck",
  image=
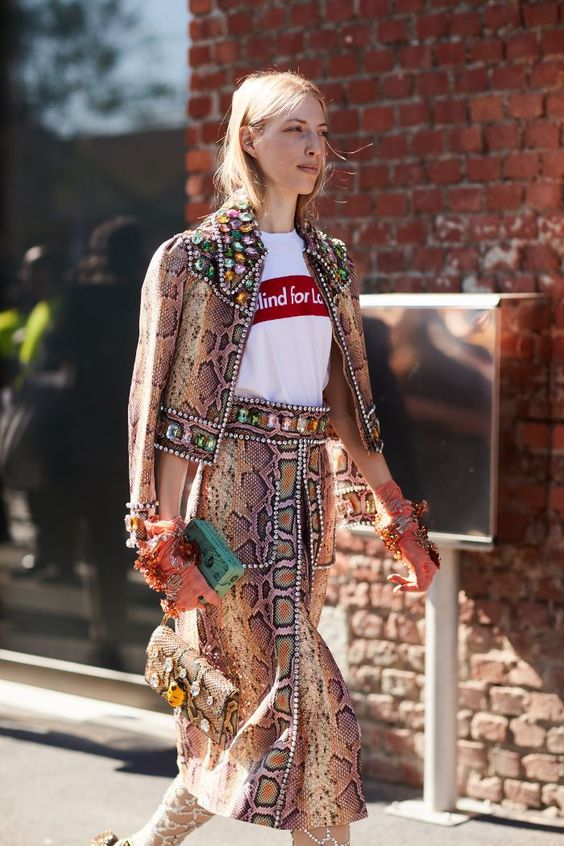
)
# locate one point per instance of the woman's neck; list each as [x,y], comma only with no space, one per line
[278,214]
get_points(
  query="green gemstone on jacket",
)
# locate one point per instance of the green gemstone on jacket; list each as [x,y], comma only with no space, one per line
[255,417]
[242,415]
[210,442]
[197,237]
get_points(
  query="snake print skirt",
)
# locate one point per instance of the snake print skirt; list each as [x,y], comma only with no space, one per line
[295,760]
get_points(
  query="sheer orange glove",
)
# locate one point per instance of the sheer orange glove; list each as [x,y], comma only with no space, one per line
[399,525]
[169,563]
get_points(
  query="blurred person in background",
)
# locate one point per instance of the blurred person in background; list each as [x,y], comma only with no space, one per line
[33,424]
[98,340]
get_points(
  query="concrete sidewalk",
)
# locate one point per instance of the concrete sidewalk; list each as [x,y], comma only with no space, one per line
[72,766]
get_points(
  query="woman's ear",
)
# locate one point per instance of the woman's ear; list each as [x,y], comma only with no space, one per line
[246,139]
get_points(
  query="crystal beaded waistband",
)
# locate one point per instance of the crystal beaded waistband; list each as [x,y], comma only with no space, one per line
[280,419]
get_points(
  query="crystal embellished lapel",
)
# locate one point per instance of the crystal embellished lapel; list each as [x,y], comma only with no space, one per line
[227,252]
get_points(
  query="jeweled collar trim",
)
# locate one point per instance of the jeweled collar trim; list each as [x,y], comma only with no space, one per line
[226,250]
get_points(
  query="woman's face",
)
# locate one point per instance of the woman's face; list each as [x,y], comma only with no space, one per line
[287,144]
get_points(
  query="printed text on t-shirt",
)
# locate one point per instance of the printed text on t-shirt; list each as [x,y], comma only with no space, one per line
[289,296]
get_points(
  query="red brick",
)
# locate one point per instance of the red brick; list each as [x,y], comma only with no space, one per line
[337,11]
[289,43]
[471,80]
[489,727]
[401,683]
[525,675]
[546,75]
[551,42]
[483,168]
[391,204]
[484,788]
[465,199]
[428,142]
[541,767]
[304,15]
[417,56]
[521,166]
[378,119]
[540,14]
[527,733]
[413,232]
[450,111]
[428,259]
[392,147]
[366,624]
[504,762]
[553,794]
[509,700]
[472,755]
[526,105]
[200,7]
[553,164]
[431,26]
[555,105]
[504,196]
[541,134]
[511,76]
[535,435]
[524,46]
[525,793]
[464,24]
[381,706]
[492,666]
[343,65]
[396,86]
[489,50]
[541,258]
[392,261]
[392,30]
[432,83]
[445,171]
[225,52]
[502,16]
[427,200]
[362,90]
[466,139]
[377,61]
[450,227]
[413,114]
[503,136]
[451,52]
[555,740]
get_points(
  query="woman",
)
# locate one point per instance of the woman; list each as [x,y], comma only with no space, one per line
[250,354]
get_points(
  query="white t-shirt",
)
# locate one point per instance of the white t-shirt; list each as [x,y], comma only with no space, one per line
[286,357]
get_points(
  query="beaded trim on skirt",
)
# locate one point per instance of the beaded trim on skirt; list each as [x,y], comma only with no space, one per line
[295,760]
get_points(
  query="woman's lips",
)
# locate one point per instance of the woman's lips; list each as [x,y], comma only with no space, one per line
[312,170]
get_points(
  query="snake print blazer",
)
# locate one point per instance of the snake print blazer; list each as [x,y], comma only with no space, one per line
[197,305]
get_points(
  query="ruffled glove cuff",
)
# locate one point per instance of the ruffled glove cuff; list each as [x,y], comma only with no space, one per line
[398,523]
[169,563]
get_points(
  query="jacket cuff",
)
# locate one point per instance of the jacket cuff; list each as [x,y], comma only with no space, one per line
[187,435]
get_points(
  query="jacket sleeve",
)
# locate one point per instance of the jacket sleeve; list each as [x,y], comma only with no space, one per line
[160,311]
[354,499]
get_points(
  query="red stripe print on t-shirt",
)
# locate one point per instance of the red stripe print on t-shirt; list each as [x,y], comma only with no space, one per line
[288,296]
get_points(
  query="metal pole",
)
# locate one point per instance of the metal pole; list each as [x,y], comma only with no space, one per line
[441,701]
[441,686]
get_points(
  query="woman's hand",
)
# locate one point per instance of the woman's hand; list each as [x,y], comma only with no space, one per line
[169,563]
[399,525]
[421,568]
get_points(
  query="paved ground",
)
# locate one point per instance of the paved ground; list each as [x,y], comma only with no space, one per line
[71,766]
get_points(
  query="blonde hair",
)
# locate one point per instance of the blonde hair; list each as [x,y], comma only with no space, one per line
[261,96]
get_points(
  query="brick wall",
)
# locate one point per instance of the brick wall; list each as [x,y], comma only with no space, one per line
[458,109]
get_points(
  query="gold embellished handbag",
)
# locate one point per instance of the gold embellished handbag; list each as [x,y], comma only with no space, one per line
[189,683]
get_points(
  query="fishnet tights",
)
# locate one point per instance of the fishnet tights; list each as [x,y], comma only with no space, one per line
[176,816]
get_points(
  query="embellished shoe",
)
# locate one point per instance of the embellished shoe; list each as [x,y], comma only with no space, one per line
[108,838]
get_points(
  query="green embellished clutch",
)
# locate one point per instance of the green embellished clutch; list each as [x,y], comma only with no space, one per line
[218,563]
